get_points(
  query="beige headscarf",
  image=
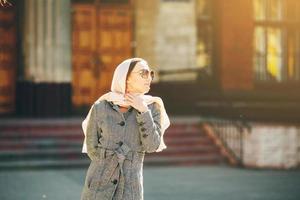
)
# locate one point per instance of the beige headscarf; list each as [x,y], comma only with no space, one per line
[116,95]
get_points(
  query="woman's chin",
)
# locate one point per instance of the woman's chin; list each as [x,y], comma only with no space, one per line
[146,90]
[141,90]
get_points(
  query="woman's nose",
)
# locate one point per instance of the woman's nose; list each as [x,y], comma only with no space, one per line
[149,80]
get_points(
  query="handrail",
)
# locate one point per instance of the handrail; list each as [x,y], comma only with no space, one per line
[230,133]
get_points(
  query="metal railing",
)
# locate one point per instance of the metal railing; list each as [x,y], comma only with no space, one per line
[231,134]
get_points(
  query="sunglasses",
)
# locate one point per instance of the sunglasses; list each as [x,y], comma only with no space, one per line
[144,73]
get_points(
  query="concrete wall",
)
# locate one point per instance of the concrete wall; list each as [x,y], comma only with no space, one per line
[272,146]
[166,37]
[165,34]
[145,29]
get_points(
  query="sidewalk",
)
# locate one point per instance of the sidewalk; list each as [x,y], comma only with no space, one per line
[160,183]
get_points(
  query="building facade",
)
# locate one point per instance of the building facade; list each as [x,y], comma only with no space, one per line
[228,58]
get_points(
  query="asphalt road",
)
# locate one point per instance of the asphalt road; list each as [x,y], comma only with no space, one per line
[160,183]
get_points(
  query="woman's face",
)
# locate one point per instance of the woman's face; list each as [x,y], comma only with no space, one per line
[135,82]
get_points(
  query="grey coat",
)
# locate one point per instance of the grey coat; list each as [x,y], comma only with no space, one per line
[116,144]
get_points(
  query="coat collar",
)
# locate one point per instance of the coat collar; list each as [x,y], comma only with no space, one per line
[115,107]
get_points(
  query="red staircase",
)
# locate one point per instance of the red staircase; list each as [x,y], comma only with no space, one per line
[186,144]
[58,143]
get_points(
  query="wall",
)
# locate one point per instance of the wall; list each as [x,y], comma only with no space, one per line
[272,146]
[234,45]
[166,34]
[145,29]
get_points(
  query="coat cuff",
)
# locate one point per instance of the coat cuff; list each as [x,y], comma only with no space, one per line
[145,122]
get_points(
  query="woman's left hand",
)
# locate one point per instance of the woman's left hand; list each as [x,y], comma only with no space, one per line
[137,102]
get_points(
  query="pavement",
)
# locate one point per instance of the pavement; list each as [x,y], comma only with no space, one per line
[160,183]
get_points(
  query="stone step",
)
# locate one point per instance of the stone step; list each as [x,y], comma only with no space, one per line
[44,143]
[75,152]
[184,161]
[84,162]
[63,123]
[192,140]
[45,163]
[185,150]
[32,154]
[43,134]
[187,134]
[77,133]
[8,144]
[40,144]
[63,132]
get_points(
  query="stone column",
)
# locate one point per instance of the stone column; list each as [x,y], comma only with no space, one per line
[47,44]
[145,29]
[165,35]
[47,57]
[234,43]
[62,48]
[176,38]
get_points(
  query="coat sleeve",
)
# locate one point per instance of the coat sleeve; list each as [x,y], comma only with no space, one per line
[93,150]
[150,128]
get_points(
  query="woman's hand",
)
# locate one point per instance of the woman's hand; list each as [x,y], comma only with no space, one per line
[137,102]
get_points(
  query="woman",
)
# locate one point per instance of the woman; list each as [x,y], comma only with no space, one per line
[121,126]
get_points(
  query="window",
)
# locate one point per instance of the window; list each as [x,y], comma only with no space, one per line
[276,40]
[204,38]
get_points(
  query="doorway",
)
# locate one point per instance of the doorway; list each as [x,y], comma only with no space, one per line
[101,39]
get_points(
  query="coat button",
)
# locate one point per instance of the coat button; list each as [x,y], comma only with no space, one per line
[115,181]
[141,123]
[122,123]
[145,135]
[143,129]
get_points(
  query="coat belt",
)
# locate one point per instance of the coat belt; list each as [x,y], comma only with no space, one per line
[121,153]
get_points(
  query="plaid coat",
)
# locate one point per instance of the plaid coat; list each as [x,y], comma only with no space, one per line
[116,144]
